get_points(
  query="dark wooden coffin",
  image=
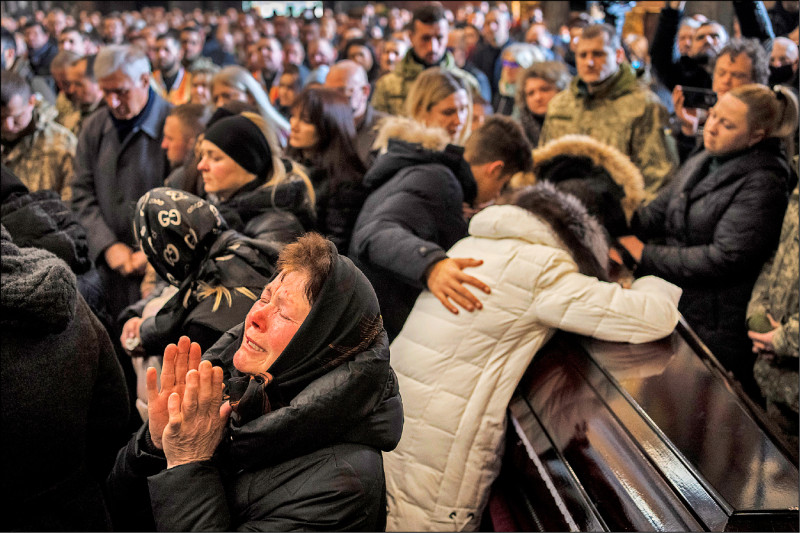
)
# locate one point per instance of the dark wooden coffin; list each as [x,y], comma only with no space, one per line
[654,437]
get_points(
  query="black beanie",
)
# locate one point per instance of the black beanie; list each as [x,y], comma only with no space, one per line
[244,142]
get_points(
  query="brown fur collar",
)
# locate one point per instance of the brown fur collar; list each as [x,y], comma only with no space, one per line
[617,164]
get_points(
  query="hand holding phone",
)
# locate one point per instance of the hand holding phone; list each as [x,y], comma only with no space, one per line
[699,98]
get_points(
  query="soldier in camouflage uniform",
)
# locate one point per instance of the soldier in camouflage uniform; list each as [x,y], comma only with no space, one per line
[429,44]
[772,318]
[34,147]
[605,102]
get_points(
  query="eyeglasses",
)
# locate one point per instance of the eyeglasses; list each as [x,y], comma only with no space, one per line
[510,64]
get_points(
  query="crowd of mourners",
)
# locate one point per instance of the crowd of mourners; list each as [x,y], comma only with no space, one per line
[216,227]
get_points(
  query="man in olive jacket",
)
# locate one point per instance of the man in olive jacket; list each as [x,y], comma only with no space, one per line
[429,31]
[605,102]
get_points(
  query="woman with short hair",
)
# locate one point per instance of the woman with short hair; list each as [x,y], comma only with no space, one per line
[311,404]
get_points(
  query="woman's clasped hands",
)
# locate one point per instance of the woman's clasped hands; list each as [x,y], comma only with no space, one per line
[186,415]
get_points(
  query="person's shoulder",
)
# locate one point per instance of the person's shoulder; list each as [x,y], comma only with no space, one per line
[59,136]
[96,123]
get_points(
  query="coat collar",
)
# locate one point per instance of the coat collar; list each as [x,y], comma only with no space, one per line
[699,182]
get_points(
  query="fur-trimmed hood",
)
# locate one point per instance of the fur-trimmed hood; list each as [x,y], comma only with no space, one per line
[409,143]
[411,131]
[547,216]
[618,165]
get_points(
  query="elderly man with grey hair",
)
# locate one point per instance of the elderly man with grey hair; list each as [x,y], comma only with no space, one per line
[119,158]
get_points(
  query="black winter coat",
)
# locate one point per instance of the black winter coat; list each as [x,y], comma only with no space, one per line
[42,220]
[338,206]
[413,215]
[275,215]
[64,401]
[718,229]
[234,265]
[315,464]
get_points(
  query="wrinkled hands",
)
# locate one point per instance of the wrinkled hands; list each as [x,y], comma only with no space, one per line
[178,360]
[445,279]
[186,417]
[196,421]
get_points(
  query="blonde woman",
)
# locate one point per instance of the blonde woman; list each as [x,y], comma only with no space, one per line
[720,219]
[441,99]
[235,83]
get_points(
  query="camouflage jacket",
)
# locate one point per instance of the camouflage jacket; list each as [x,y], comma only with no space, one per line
[44,158]
[776,293]
[68,115]
[620,113]
[391,89]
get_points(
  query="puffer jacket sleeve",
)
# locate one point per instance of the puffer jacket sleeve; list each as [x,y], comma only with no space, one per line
[400,236]
[42,220]
[740,237]
[127,495]
[649,221]
[321,414]
[189,497]
[569,300]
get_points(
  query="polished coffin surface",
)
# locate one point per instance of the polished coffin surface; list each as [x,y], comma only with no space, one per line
[649,437]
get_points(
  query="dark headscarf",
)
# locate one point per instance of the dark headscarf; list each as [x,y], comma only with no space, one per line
[176,230]
[344,321]
[188,244]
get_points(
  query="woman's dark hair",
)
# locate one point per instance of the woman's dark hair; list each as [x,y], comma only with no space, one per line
[335,152]
[374,72]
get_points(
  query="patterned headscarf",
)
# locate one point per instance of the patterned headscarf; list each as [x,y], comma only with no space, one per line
[176,230]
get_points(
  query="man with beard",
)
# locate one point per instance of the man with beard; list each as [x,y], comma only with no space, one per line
[429,32]
[171,78]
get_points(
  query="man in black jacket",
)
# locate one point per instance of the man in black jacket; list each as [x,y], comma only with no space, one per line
[417,211]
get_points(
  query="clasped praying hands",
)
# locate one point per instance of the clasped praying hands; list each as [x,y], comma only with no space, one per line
[186,415]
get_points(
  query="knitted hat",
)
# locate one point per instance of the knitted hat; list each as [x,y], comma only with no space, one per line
[243,142]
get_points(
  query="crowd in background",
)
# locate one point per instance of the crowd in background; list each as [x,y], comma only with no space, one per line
[491,182]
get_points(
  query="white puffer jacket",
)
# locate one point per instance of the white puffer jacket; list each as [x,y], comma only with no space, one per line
[457,372]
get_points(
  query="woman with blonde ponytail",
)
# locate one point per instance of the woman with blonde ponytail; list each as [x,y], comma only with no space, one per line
[720,218]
